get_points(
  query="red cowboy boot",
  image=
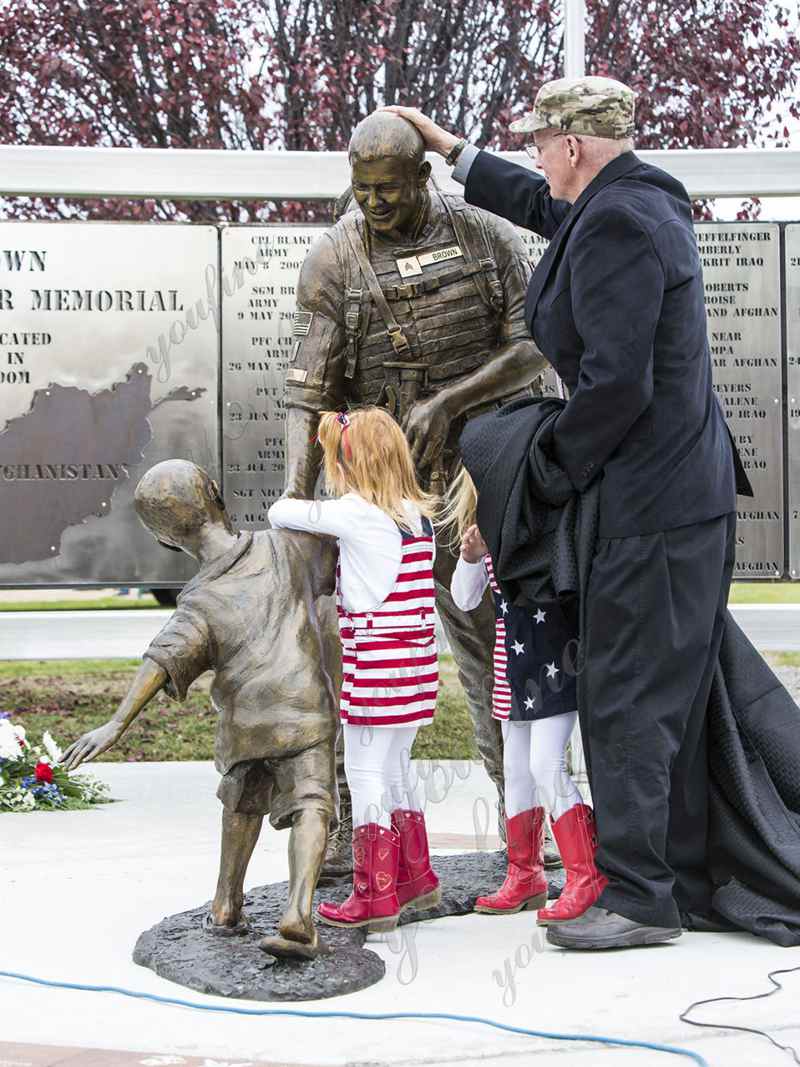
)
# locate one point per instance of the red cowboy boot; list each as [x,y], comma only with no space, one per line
[373,902]
[417,885]
[525,885]
[576,835]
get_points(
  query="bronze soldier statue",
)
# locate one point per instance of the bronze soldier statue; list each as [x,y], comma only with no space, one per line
[413,301]
[249,615]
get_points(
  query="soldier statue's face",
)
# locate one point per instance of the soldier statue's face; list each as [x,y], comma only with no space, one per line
[389,192]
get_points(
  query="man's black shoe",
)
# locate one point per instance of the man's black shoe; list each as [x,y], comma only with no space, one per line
[599,928]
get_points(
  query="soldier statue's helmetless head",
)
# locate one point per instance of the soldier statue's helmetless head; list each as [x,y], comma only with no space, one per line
[176,500]
[389,173]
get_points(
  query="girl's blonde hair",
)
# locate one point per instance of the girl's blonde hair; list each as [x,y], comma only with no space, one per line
[461,507]
[366,452]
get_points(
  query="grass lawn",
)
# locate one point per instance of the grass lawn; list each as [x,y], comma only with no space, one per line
[103,603]
[765,593]
[741,593]
[782,659]
[72,696]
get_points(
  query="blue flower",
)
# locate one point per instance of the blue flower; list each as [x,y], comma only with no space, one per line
[49,791]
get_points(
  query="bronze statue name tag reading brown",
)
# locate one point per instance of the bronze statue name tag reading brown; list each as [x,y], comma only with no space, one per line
[249,615]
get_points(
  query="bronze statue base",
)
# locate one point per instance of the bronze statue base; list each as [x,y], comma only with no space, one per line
[180,949]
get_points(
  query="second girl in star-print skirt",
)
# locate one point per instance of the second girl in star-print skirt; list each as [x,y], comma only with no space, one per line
[537,708]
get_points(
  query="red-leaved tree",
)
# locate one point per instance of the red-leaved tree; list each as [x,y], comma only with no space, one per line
[299,74]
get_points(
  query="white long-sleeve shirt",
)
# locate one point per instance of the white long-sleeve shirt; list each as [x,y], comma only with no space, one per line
[370,544]
[468,584]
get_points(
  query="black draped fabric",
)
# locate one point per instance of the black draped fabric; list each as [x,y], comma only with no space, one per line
[754,769]
[540,533]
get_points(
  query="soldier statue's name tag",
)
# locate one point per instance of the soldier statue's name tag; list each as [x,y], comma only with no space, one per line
[412,265]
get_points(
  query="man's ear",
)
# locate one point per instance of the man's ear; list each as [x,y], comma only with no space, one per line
[424,173]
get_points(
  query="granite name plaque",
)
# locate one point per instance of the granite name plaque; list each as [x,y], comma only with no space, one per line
[741,269]
[536,246]
[109,354]
[793,391]
[260,269]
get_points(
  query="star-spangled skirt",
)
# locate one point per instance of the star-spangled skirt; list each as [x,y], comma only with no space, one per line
[541,667]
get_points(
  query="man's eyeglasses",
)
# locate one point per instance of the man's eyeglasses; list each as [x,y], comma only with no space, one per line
[534,150]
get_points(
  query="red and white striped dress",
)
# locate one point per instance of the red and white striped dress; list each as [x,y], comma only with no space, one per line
[501,691]
[389,655]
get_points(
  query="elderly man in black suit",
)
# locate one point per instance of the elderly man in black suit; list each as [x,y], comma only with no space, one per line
[617,306]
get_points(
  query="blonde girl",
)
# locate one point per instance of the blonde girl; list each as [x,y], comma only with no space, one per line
[385,601]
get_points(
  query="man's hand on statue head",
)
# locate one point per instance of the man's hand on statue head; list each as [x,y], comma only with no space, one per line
[426,426]
[473,546]
[91,744]
[435,137]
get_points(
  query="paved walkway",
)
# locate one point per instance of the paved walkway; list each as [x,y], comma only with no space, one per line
[126,633]
[79,887]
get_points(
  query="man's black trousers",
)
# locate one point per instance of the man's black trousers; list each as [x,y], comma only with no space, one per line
[654,618]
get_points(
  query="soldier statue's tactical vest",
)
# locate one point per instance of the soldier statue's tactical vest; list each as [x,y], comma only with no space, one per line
[417,317]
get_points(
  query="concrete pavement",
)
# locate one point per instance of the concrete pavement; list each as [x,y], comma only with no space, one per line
[126,633]
[79,634]
[78,888]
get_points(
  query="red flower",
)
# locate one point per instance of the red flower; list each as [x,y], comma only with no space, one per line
[43,772]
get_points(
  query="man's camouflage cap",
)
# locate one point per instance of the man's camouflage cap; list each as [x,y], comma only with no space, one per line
[596,107]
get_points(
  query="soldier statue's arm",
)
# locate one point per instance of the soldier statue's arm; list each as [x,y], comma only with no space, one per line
[315,377]
[515,363]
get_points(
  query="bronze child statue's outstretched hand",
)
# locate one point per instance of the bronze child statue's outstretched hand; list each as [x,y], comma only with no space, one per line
[149,679]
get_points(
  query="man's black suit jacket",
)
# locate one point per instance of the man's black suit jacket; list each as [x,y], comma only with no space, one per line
[617,306]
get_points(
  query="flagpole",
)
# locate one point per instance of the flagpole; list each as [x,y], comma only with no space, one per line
[574,37]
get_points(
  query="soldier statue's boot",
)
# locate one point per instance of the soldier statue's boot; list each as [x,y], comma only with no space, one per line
[525,885]
[373,902]
[337,867]
[417,885]
[552,856]
[576,834]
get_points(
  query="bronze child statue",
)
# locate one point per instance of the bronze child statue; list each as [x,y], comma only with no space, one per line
[249,615]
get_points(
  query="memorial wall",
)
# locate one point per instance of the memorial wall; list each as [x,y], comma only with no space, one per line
[792,254]
[125,344]
[741,269]
[257,321]
[109,363]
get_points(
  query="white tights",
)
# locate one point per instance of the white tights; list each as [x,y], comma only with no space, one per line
[377,766]
[535,767]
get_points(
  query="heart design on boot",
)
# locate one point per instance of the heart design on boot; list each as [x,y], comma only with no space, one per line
[383,880]
[359,855]
[362,887]
[383,853]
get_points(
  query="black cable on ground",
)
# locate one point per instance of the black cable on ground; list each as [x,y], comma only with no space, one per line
[746,1029]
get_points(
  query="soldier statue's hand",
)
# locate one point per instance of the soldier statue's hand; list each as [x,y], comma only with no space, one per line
[436,139]
[426,426]
[91,744]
